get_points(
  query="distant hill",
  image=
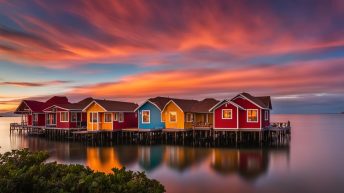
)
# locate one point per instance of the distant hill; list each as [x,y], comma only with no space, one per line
[9,114]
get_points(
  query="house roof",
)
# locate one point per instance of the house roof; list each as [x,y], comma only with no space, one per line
[195,106]
[116,105]
[160,101]
[38,107]
[77,106]
[204,106]
[262,101]
[56,100]
[217,105]
[35,106]
[185,104]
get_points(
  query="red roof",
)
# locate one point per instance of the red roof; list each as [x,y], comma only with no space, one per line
[116,106]
[261,101]
[38,107]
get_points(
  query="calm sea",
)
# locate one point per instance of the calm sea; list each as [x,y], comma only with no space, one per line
[314,161]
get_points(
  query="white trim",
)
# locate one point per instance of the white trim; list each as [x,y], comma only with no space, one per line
[237,118]
[145,103]
[247,116]
[169,103]
[61,116]
[115,118]
[120,121]
[266,115]
[91,104]
[261,119]
[186,117]
[249,100]
[219,104]
[25,104]
[169,117]
[105,119]
[71,115]
[149,118]
[226,110]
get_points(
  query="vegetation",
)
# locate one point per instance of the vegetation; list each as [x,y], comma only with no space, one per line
[25,171]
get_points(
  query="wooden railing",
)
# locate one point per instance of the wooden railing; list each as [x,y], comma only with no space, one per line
[281,125]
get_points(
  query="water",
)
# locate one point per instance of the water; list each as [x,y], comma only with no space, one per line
[313,162]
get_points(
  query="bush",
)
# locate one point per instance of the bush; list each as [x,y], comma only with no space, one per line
[25,171]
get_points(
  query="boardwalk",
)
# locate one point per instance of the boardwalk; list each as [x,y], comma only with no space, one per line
[276,134]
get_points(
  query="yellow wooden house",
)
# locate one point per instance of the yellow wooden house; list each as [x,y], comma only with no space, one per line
[110,115]
[188,114]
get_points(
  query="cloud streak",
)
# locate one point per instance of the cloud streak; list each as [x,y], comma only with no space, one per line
[34,84]
[72,33]
[299,78]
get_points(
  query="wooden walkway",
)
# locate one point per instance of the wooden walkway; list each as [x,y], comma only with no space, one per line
[276,134]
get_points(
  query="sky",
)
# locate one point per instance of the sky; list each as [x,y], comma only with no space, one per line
[132,50]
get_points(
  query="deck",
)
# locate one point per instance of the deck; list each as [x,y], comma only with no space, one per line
[279,131]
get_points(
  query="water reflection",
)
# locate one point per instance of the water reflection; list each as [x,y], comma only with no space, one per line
[150,157]
[180,158]
[249,164]
[61,152]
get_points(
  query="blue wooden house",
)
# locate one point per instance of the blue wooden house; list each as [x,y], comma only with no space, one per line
[149,113]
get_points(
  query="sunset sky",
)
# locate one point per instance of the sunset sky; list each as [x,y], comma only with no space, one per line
[135,49]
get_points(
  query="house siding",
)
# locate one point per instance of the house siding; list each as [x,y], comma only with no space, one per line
[93,108]
[226,123]
[179,124]
[130,121]
[155,117]
[243,124]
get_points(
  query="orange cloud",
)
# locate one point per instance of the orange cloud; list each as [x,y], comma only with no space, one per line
[74,33]
[298,78]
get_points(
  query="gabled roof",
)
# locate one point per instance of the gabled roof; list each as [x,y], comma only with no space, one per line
[159,102]
[38,107]
[74,106]
[204,106]
[225,101]
[194,106]
[56,100]
[114,106]
[35,106]
[185,104]
[261,101]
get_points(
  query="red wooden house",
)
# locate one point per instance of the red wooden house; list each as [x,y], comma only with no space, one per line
[244,112]
[67,115]
[32,111]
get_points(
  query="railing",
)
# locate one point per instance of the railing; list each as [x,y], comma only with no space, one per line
[280,125]
[201,125]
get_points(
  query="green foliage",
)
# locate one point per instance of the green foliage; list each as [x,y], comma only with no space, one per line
[24,171]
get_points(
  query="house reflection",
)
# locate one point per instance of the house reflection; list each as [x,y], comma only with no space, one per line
[102,159]
[63,152]
[150,157]
[180,158]
[247,163]
[127,154]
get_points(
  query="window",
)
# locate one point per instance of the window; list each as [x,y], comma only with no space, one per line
[145,116]
[93,117]
[252,115]
[120,117]
[266,115]
[64,117]
[226,113]
[189,117]
[173,117]
[35,117]
[107,118]
[115,118]
[74,116]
